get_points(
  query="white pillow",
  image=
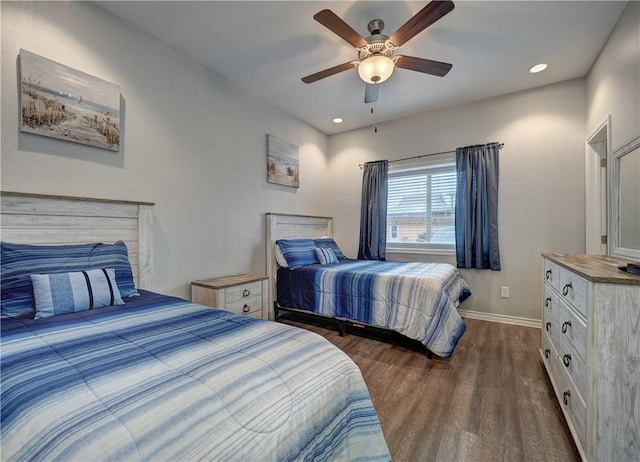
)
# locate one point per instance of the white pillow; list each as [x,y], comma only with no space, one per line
[282,261]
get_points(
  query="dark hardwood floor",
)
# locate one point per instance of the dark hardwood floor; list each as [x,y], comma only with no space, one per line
[492,401]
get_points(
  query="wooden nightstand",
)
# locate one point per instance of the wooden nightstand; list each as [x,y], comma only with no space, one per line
[241,293]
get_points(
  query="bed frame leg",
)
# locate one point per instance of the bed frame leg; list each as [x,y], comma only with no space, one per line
[341,328]
[429,354]
[275,311]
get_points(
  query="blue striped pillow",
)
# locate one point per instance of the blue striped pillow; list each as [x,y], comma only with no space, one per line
[19,261]
[298,252]
[62,293]
[329,243]
[326,256]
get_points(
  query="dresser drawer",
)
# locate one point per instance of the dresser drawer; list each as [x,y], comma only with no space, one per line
[548,351]
[574,290]
[572,404]
[572,328]
[243,291]
[551,274]
[550,307]
[245,306]
[573,363]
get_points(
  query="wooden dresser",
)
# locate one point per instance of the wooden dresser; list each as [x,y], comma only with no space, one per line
[240,293]
[591,351]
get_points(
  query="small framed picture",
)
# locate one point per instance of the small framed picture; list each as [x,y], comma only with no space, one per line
[283,166]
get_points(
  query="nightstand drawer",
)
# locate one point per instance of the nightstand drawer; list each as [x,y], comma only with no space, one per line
[245,306]
[241,292]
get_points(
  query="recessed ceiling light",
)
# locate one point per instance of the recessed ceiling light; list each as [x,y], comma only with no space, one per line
[338,120]
[538,68]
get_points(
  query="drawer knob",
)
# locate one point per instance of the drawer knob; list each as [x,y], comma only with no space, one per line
[246,308]
[565,289]
[565,326]
[246,292]
[565,397]
[547,326]
[566,359]
[547,302]
[546,353]
[547,274]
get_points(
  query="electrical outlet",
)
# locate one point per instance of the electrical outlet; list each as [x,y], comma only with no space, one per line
[504,292]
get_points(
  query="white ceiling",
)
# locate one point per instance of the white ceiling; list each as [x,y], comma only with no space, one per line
[268,46]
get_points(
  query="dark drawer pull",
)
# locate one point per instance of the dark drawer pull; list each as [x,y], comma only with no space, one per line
[246,292]
[547,302]
[565,325]
[547,274]
[565,289]
[566,359]
[246,308]
[565,397]
[547,326]
[546,353]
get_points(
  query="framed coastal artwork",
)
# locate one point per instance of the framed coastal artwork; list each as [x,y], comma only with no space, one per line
[282,162]
[64,103]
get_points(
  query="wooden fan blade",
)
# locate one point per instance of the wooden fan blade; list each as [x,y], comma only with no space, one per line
[371,92]
[332,22]
[426,66]
[420,21]
[329,72]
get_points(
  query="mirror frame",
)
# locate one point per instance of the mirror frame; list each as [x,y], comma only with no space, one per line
[614,206]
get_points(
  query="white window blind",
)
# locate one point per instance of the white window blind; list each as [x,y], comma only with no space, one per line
[421,208]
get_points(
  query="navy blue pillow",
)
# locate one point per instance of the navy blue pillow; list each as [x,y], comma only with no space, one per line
[329,243]
[298,252]
[19,261]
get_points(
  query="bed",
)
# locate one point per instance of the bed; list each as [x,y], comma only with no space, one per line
[156,377]
[417,300]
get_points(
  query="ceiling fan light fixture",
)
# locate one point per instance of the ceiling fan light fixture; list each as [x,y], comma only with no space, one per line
[376,69]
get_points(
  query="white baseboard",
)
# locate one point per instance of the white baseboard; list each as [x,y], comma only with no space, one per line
[503,318]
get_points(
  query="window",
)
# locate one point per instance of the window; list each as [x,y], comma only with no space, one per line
[421,208]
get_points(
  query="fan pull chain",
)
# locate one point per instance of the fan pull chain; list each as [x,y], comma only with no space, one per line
[375,118]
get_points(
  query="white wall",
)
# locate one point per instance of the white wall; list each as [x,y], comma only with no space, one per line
[193,143]
[542,190]
[613,89]
[541,204]
[613,84]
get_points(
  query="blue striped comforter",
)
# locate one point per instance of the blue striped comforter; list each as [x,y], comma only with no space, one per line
[417,300]
[164,379]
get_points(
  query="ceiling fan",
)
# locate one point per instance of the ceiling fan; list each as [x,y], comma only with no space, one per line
[376,60]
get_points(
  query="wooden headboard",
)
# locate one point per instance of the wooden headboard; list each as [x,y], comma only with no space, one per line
[286,226]
[47,219]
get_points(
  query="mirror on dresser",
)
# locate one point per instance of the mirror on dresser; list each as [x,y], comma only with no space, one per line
[624,222]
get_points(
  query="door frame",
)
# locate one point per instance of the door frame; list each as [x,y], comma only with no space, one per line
[597,149]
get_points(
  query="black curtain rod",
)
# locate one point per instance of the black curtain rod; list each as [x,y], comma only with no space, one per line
[426,155]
